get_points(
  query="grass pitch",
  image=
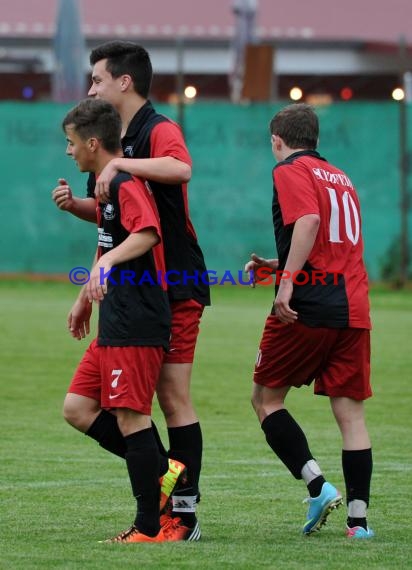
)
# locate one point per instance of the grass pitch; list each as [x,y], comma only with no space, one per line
[61,493]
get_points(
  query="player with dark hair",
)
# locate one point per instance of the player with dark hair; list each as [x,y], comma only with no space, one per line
[121,367]
[154,149]
[319,326]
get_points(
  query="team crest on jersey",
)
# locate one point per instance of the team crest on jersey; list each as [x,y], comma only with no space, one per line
[108,212]
[128,151]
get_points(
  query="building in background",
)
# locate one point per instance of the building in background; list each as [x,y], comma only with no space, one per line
[326,49]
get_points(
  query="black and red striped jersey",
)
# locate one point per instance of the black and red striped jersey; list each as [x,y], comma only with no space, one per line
[135,311]
[152,135]
[332,290]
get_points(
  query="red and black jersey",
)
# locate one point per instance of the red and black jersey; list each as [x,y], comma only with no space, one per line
[152,135]
[135,311]
[333,287]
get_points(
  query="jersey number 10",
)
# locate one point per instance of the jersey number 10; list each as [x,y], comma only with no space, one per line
[352,233]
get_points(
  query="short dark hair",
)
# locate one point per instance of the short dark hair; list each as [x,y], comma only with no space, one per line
[96,118]
[126,58]
[297,125]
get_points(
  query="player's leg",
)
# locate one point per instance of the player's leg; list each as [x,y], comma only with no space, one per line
[85,414]
[357,463]
[289,356]
[82,410]
[137,370]
[286,438]
[142,460]
[184,431]
[186,444]
[346,380]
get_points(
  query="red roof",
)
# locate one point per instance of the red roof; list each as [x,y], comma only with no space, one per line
[365,20]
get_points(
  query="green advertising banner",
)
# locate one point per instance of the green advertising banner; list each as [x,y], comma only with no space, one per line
[230,192]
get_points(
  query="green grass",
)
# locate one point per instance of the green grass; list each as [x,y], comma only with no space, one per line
[61,493]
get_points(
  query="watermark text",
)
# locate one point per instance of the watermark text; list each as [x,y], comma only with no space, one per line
[264,276]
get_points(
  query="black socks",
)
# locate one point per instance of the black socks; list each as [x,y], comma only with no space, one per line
[287,440]
[106,432]
[142,459]
[186,445]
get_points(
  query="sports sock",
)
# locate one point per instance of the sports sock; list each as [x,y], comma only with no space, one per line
[357,514]
[163,457]
[312,475]
[186,445]
[142,459]
[357,470]
[184,506]
[162,449]
[287,440]
[105,430]
[353,521]
[315,486]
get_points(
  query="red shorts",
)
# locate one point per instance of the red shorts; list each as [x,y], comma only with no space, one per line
[338,360]
[119,376]
[186,317]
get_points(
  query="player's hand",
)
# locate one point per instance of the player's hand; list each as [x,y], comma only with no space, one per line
[62,195]
[281,304]
[78,319]
[96,287]
[265,266]
[102,188]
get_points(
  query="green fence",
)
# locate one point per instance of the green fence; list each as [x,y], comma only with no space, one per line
[230,192]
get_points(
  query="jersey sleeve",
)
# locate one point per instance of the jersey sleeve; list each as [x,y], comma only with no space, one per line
[296,192]
[166,139]
[137,208]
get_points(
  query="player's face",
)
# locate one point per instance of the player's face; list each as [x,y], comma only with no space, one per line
[79,150]
[104,85]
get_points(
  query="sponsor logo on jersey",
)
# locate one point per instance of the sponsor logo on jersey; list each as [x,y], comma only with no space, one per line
[108,212]
[105,239]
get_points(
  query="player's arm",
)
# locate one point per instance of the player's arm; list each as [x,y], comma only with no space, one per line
[260,267]
[164,169]
[135,245]
[303,239]
[78,319]
[83,208]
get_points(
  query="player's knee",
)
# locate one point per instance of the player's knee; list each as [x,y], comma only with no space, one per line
[69,414]
[170,406]
[76,416]
[178,410]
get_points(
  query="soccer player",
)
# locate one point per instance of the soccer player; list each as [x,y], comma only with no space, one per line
[122,365]
[155,150]
[319,327]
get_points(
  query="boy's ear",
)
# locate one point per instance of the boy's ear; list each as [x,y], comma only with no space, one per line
[276,142]
[125,82]
[93,144]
